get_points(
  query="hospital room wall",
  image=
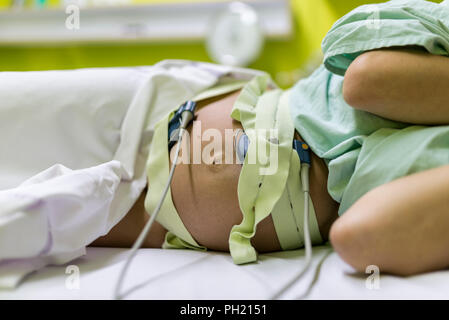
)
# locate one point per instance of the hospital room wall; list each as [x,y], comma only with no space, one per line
[286,59]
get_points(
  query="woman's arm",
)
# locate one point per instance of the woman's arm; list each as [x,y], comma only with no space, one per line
[403,84]
[401,227]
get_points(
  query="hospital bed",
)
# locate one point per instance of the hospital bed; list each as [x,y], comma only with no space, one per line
[121,112]
[185,274]
[155,273]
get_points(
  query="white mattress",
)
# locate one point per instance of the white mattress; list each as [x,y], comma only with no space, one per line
[184,274]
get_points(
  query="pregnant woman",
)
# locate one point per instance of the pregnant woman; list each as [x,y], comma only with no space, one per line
[400,226]
[375,117]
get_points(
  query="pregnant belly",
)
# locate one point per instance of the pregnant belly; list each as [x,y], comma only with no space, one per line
[205,195]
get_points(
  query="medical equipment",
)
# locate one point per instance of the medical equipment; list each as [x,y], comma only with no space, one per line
[179,123]
[303,150]
[268,184]
[280,194]
[304,154]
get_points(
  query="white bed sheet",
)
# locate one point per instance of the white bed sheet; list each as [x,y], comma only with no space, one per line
[184,274]
[73,151]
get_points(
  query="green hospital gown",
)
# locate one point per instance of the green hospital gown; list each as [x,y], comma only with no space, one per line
[362,150]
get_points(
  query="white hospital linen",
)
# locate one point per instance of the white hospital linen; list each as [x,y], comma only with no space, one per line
[73,149]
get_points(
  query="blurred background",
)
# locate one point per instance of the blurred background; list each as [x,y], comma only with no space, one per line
[282,37]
